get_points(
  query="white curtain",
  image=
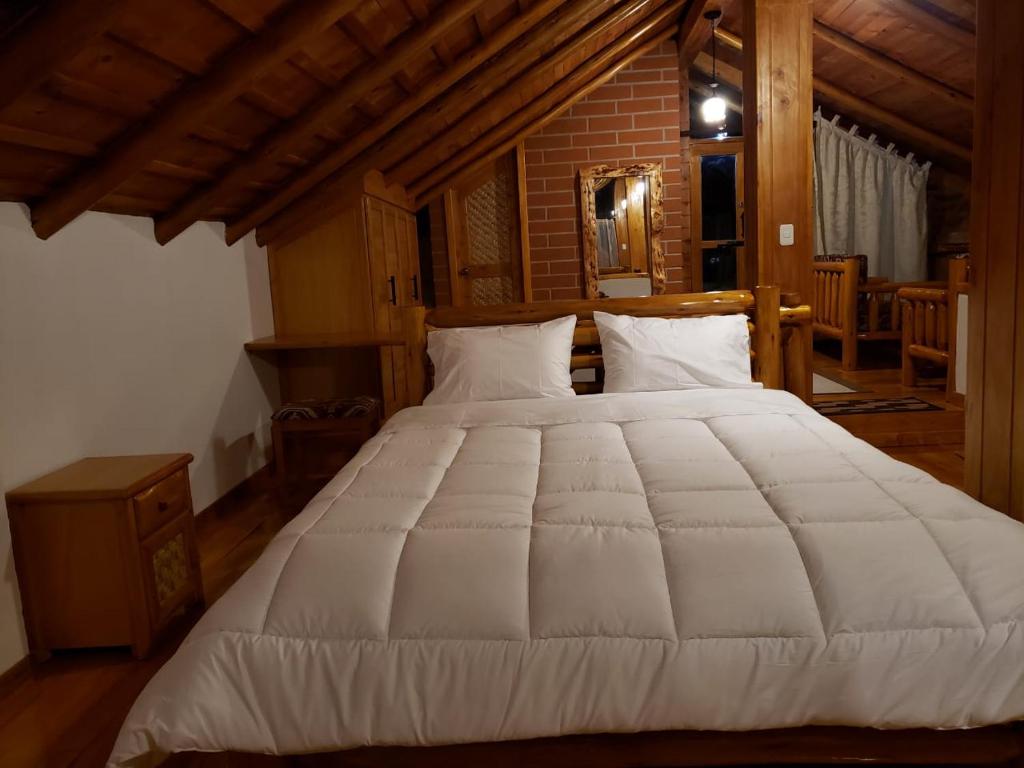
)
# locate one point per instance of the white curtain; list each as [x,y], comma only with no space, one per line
[869,200]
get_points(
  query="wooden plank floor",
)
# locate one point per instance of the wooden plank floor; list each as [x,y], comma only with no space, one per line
[932,440]
[67,712]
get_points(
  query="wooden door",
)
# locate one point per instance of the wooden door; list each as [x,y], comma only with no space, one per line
[717,214]
[485,253]
[393,254]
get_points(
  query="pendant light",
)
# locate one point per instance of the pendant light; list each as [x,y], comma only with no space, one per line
[713,108]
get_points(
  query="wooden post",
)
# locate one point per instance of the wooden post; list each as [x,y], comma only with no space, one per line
[995,364]
[908,371]
[768,343]
[848,295]
[415,331]
[777,119]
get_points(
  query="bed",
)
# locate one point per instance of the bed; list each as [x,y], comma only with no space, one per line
[660,578]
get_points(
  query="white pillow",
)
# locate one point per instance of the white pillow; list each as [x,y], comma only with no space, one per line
[502,362]
[646,354]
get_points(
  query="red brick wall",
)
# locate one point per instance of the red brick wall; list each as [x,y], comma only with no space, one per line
[632,118]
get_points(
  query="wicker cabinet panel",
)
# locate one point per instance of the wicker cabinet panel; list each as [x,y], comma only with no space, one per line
[170,569]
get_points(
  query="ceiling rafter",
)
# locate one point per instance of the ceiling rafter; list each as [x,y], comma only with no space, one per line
[695,32]
[358,147]
[234,72]
[890,66]
[314,118]
[594,72]
[49,38]
[418,8]
[930,23]
[846,101]
[418,160]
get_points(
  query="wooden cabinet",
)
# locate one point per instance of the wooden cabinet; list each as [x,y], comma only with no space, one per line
[105,552]
[357,273]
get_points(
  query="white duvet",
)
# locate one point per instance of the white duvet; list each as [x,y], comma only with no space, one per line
[715,559]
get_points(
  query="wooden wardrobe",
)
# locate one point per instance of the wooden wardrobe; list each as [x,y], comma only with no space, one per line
[352,283]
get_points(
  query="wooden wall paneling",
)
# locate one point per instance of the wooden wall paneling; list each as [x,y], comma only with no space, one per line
[995,365]
[777,119]
[51,36]
[358,144]
[186,108]
[275,146]
[526,271]
[319,285]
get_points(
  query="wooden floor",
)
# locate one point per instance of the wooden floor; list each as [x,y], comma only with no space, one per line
[67,712]
[933,440]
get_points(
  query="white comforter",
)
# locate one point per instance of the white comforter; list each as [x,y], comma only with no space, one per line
[717,559]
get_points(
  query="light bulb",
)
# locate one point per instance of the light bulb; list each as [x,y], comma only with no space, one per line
[713,110]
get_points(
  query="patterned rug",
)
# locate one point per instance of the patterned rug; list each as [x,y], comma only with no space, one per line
[875,405]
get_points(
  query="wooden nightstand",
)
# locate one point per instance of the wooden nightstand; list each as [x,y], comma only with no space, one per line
[105,551]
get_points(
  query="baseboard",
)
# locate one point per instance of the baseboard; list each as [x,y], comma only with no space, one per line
[15,676]
[258,482]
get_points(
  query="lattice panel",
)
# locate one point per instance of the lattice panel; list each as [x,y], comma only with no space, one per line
[490,218]
[170,568]
[493,290]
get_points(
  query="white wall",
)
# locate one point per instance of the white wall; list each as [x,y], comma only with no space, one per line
[111,344]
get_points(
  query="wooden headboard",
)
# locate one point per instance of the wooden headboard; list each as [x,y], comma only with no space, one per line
[777,360]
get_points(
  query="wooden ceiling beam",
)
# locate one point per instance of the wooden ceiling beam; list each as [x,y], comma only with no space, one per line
[844,101]
[49,38]
[186,108]
[931,24]
[357,146]
[328,109]
[695,30]
[561,92]
[537,123]
[416,159]
[727,73]
[891,67]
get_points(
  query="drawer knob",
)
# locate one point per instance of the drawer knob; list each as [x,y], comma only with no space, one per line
[162,506]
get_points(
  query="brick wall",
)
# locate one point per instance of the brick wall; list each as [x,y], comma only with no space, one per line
[630,119]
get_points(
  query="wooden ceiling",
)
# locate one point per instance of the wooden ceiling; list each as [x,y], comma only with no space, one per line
[259,112]
[903,69]
[250,111]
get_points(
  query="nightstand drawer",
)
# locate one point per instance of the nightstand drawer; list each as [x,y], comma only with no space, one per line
[163,502]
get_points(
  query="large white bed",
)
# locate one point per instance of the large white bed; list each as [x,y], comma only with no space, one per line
[713,559]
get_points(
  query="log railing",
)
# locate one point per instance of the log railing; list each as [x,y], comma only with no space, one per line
[852,311]
[929,318]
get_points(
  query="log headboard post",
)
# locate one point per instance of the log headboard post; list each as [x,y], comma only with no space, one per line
[768,336]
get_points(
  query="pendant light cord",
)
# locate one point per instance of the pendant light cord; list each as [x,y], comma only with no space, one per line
[714,52]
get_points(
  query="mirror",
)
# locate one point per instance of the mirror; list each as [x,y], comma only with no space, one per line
[622,223]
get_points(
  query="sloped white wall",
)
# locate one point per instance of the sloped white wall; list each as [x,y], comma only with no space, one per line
[111,344]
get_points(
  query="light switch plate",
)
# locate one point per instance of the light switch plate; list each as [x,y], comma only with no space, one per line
[785,234]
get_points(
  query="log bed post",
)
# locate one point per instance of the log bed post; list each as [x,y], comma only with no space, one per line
[767,338]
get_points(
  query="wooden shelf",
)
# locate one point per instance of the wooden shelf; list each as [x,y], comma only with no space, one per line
[322,341]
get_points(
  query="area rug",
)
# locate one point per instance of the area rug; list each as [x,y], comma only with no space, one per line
[875,405]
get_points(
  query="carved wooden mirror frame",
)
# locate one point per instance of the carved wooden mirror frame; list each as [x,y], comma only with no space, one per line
[588,179]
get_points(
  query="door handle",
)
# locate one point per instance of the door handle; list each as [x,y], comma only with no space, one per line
[394,293]
[416,287]
[464,272]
